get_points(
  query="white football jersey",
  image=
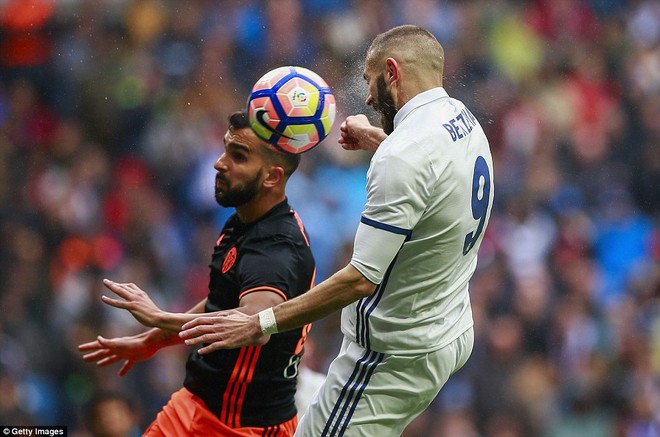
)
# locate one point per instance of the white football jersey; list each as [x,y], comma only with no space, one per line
[429,196]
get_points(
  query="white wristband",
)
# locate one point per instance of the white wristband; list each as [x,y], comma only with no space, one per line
[267,322]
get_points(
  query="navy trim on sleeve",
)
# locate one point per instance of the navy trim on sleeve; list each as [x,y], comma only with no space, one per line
[388,228]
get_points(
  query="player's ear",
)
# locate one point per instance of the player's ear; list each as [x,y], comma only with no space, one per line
[393,72]
[274,176]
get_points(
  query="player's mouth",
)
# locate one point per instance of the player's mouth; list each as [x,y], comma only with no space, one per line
[220,181]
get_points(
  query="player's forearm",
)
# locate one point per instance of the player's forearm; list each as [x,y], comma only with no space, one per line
[158,338]
[341,289]
[171,322]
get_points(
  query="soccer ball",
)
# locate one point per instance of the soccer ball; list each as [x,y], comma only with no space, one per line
[292,108]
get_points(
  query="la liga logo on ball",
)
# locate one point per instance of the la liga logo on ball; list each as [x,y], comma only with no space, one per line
[291,108]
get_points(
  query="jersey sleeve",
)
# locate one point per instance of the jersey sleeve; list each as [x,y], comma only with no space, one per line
[398,188]
[268,265]
[375,247]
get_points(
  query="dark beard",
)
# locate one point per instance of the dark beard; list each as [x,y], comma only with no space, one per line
[385,105]
[237,196]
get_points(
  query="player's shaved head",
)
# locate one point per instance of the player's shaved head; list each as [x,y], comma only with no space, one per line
[409,45]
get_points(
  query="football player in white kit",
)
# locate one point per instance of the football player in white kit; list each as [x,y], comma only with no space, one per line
[406,317]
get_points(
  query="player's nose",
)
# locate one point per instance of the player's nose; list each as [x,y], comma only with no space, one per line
[220,164]
[370,100]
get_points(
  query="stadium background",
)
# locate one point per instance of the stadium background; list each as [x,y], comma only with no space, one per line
[112,114]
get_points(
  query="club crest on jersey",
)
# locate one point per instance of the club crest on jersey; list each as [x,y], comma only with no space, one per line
[229,261]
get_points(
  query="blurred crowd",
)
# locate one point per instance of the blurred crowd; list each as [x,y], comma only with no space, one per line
[112,114]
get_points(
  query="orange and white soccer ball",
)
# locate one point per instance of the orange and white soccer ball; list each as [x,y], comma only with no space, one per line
[292,108]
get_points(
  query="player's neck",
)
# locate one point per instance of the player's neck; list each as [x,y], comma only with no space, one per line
[414,87]
[256,208]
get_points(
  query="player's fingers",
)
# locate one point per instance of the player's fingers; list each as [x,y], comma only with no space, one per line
[190,332]
[122,304]
[203,338]
[92,345]
[132,288]
[106,342]
[207,327]
[121,290]
[345,136]
[96,356]
[199,321]
[128,365]
[211,348]
[108,360]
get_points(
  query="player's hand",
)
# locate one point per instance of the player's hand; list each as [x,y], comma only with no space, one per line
[224,330]
[135,300]
[358,134]
[104,351]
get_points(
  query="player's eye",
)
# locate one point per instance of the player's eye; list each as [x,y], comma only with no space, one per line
[240,157]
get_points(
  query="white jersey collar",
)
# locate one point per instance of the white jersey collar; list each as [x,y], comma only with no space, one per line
[419,100]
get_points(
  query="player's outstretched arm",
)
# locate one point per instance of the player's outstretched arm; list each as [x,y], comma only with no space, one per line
[213,326]
[232,329]
[358,134]
[132,349]
[139,304]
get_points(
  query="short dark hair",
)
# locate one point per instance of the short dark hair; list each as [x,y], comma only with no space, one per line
[288,161]
[239,120]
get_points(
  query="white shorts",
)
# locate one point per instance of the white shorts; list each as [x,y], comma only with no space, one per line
[368,393]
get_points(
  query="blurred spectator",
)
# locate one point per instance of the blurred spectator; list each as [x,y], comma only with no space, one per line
[111,113]
[25,40]
[111,414]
